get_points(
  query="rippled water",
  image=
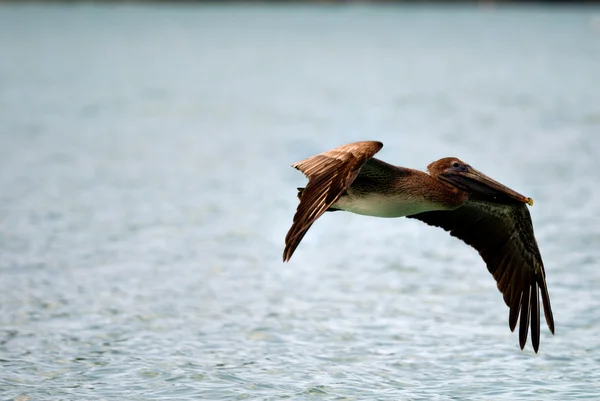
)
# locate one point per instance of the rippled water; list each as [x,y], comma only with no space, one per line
[145,191]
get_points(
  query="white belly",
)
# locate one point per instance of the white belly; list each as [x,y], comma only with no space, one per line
[384,205]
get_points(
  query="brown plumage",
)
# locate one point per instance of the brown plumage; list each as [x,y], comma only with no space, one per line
[483,213]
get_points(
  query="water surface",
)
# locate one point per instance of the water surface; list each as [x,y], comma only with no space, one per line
[145,191]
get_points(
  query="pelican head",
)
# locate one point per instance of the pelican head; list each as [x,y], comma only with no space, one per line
[458,174]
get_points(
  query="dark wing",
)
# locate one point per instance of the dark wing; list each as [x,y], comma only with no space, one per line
[503,235]
[329,175]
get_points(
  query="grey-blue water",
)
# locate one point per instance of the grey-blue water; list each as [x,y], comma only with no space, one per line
[145,192]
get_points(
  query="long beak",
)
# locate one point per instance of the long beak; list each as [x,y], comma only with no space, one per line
[476,182]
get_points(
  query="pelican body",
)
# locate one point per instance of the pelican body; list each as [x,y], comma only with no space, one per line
[471,206]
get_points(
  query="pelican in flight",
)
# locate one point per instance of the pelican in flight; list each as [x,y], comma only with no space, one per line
[480,211]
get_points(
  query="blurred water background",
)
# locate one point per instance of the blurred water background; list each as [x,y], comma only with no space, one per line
[145,191]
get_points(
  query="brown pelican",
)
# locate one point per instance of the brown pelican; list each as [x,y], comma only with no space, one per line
[480,211]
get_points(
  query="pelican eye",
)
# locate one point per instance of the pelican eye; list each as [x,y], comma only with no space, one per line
[455,165]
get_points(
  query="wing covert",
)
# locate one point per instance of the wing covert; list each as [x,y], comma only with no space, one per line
[329,175]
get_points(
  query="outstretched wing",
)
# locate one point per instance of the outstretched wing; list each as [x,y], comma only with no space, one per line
[503,235]
[329,175]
